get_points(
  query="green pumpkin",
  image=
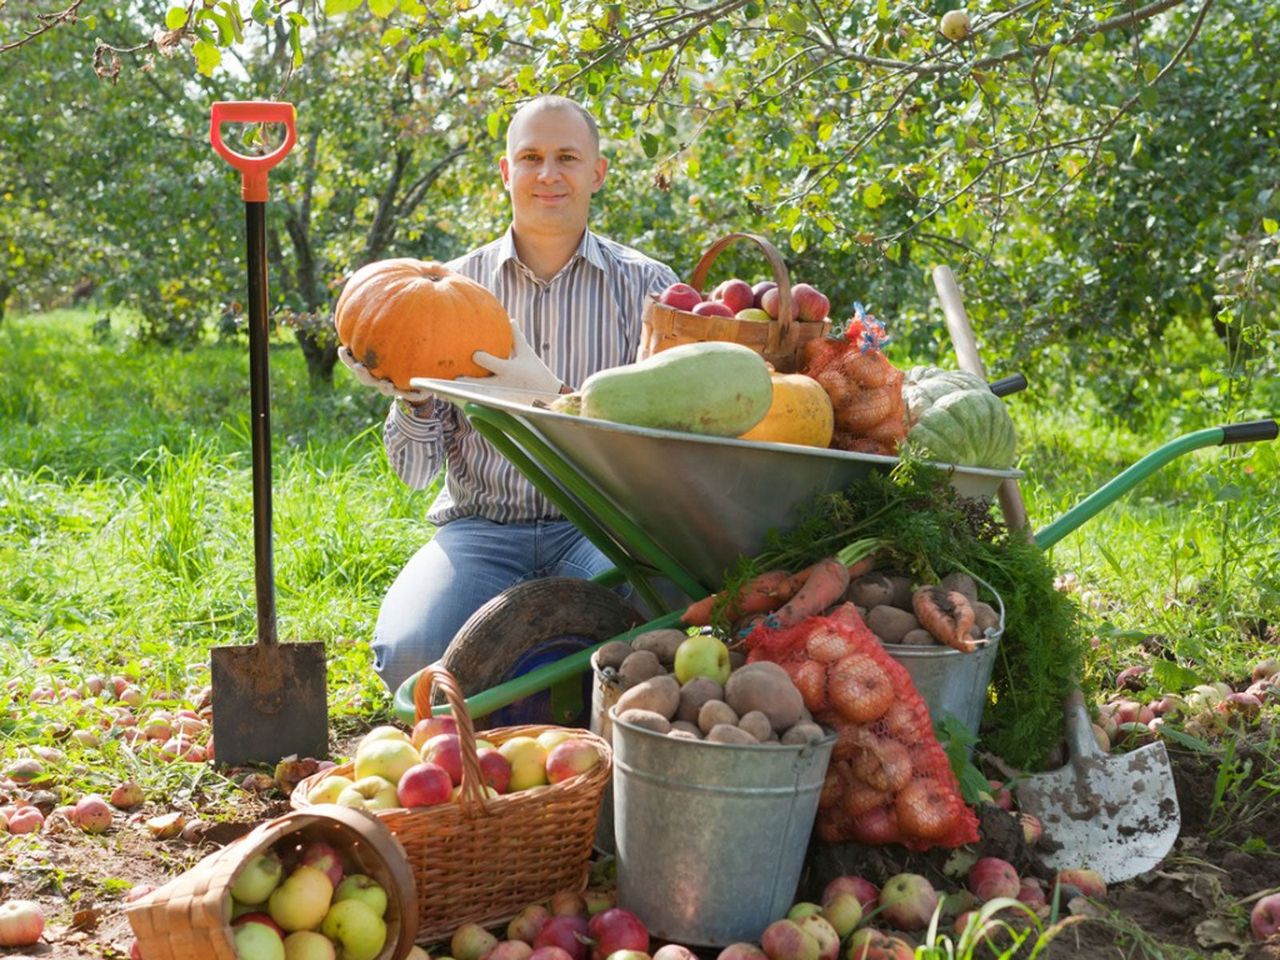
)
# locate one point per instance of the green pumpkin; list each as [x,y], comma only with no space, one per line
[955,418]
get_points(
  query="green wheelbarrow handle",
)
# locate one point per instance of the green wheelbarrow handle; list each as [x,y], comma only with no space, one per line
[535,681]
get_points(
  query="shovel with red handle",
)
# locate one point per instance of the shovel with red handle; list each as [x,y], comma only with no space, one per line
[269,699]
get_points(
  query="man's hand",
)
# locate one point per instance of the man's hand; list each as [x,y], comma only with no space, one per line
[383,386]
[523,371]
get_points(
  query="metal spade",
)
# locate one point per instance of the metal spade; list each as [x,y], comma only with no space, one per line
[269,699]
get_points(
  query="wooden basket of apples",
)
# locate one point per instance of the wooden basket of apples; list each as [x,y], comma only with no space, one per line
[773,318]
[488,826]
[322,883]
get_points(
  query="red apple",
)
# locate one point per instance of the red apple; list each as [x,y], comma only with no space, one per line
[1264,921]
[1088,882]
[26,819]
[550,953]
[569,933]
[509,950]
[992,877]
[617,929]
[127,795]
[445,750]
[1031,892]
[496,768]
[1262,670]
[681,296]
[712,308]
[759,290]
[92,814]
[526,924]
[786,940]
[1032,828]
[818,927]
[258,916]
[870,944]
[571,758]
[737,295]
[1000,795]
[325,858]
[868,893]
[810,304]
[567,903]
[424,785]
[21,923]
[429,727]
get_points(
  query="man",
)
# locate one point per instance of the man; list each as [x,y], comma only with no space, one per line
[576,300]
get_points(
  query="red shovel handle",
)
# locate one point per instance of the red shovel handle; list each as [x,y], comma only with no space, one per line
[253,169]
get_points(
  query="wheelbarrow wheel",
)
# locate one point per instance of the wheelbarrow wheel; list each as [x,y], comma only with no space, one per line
[528,626]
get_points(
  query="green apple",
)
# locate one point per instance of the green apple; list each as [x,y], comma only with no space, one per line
[417,953]
[308,945]
[359,886]
[257,941]
[702,656]
[386,758]
[355,928]
[753,313]
[386,732]
[369,793]
[301,901]
[803,909]
[550,739]
[955,25]
[327,790]
[528,759]
[257,879]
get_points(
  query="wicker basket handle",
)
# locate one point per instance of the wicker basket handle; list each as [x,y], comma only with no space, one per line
[472,797]
[786,307]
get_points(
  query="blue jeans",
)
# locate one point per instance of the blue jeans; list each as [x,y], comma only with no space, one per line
[468,562]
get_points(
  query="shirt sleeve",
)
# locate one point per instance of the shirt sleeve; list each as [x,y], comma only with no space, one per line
[415,444]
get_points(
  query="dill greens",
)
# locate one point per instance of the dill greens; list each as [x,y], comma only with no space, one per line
[930,531]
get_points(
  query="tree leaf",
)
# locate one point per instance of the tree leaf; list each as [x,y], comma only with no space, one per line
[650,144]
[175,18]
[334,8]
[207,55]
[872,196]
[382,8]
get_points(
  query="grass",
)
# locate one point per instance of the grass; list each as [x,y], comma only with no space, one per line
[126,528]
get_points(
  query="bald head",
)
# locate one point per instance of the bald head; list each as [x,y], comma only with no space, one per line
[552,102]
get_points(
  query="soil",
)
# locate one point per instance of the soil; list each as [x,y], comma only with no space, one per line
[1195,905]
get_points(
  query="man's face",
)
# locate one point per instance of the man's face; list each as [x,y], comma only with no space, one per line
[551,170]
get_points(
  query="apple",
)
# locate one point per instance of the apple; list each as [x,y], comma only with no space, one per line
[550,739]
[429,727]
[21,923]
[616,929]
[598,901]
[471,942]
[569,933]
[138,891]
[424,785]
[1031,892]
[702,656]
[327,789]
[736,295]
[388,758]
[741,951]
[955,25]
[528,759]
[907,901]
[1264,921]
[324,857]
[629,955]
[1032,828]
[510,950]
[786,940]
[370,793]
[571,758]
[1088,882]
[548,952]
[358,931]
[384,732]
[257,879]
[681,296]
[868,893]
[417,953]
[991,877]
[753,313]
[495,769]
[674,951]
[359,886]
[567,903]
[526,924]
[127,795]
[828,940]
[712,308]
[758,290]
[811,305]
[445,750]
[1263,670]
[869,944]
[302,900]
[843,912]
[257,916]
[257,941]
[92,814]
[803,909]
[308,945]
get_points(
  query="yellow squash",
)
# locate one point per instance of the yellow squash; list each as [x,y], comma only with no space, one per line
[800,413]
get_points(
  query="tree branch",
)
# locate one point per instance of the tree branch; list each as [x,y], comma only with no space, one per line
[47,21]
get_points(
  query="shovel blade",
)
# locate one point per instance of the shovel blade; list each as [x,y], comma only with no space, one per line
[269,702]
[1117,815]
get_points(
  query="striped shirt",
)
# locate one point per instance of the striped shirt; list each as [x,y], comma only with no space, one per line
[586,318]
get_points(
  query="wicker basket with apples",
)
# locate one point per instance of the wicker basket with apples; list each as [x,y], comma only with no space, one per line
[330,880]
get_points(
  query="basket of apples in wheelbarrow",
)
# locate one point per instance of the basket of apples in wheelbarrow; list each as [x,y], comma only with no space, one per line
[707,452]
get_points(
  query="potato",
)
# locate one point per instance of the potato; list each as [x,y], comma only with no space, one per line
[694,694]
[684,726]
[737,660]
[891,624]
[962,583]
[756,724]
[661,643]
[985,617]
[646,719]
[659,694]
[902,591]
[716,712]
[612,654]
[765,687]
[675,734]
[640,666]
[920,637]
[726,733]
[870,591]
[803,733]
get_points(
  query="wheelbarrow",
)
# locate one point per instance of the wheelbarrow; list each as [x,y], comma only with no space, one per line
[665,505]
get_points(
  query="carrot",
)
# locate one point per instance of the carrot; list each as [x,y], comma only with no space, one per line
[947,614]
[825,583]
[763,593]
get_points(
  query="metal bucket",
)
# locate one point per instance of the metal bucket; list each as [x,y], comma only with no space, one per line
[711,837]
[950,681]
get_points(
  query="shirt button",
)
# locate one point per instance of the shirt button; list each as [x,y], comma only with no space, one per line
[546,346]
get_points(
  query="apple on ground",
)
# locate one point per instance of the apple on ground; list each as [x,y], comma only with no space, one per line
[907,901]
[387,757]
[569,933]
[868,893]
[1264,920]
[628,955]
[257,879]
[259,941]
[471,942]
[1032,828]
[598,901]
[424,785]
[21,923]
[828,940]
[495,768]
[370,793]
[26,819]
[741,951]
[526,924]
[992,877]
[567,903]
[323,856]
[681,296]
[127,795]
[616,929]
[328,789]
[528,759]
[870,944]
[429,727]
[786,940]
[674,951]
[92,814]
[510,950]
[308,945]
[547,952]
[302,900]
[803,909]
[1031,892]
[736,295]
[362,887]
[702,656]
[571,758]
[358,931]
[1088,882]
[843,912]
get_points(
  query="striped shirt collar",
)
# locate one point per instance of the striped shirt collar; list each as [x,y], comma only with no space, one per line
[590,249]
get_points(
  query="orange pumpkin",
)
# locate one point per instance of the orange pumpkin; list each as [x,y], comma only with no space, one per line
[407,318]
[801,413]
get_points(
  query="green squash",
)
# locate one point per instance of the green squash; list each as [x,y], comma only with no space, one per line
[954,417]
